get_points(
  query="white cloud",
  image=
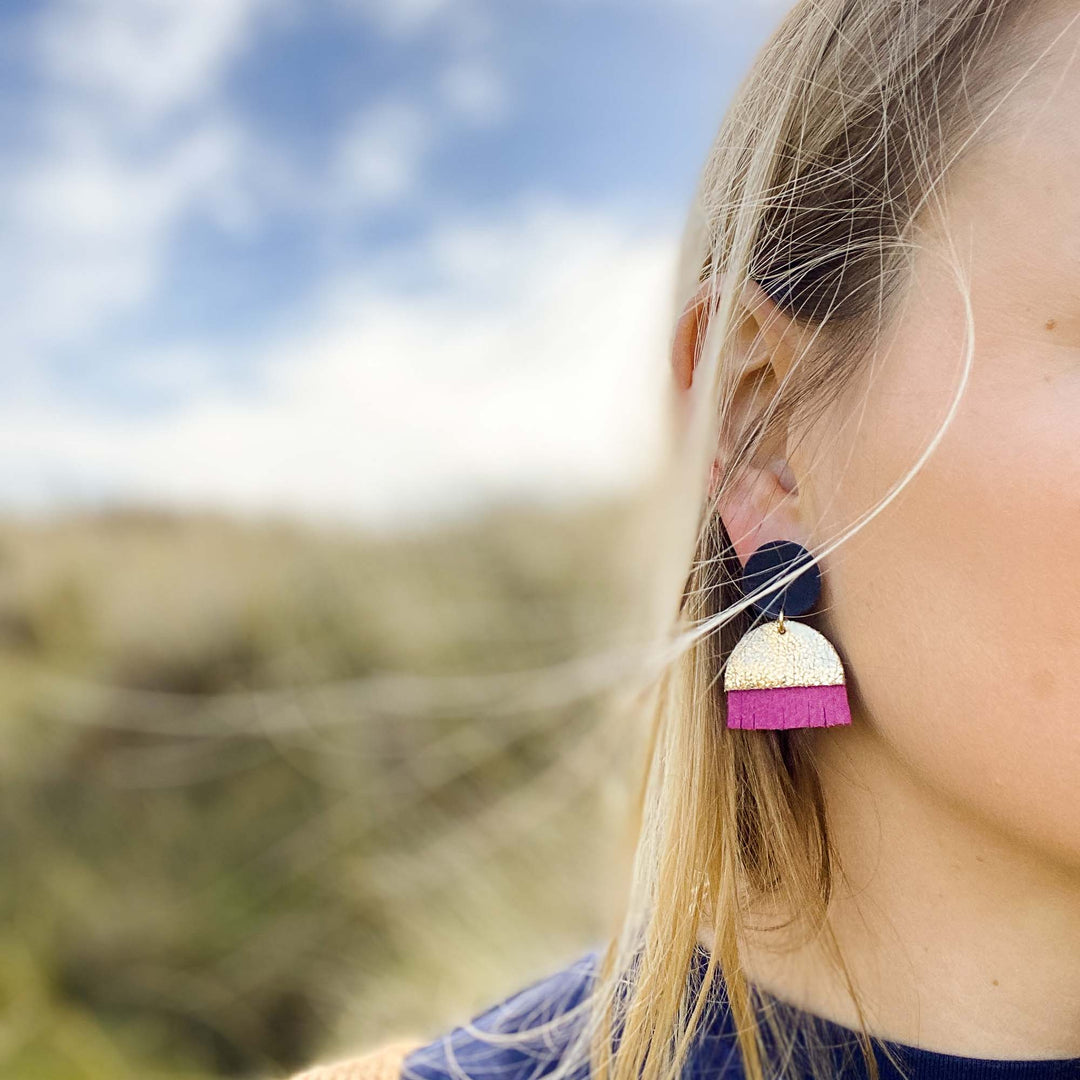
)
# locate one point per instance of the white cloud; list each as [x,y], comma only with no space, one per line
[88,228]
[399,18]
[379,156]
[536,370]
[145,57]
[472,89]
[135,138]
[532,365]
[88,215]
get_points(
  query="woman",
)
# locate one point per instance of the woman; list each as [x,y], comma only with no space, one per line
[877,359]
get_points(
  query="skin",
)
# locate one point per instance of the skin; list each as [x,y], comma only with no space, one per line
[954,796]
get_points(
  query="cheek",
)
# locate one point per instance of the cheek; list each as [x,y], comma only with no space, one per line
[957,609]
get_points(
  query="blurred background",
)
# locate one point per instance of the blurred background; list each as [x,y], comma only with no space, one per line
[334,335]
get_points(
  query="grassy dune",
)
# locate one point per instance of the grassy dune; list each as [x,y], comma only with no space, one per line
[258,809]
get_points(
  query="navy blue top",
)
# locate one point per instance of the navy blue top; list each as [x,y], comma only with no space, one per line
[715,1052]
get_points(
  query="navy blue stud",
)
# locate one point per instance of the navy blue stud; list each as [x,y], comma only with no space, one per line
[772,561]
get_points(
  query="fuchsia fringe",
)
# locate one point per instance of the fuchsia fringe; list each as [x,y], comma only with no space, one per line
[788,707]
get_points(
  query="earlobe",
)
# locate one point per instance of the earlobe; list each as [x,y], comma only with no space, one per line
[757,506]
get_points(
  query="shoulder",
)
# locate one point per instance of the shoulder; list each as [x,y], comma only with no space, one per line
[383,1063]
[466,1048]
[546,1006]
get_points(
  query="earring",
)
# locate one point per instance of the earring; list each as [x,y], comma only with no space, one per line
[784,674]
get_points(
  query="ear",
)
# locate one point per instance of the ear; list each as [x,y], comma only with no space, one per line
[761,502]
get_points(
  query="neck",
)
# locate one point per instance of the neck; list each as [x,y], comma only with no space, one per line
[959,938]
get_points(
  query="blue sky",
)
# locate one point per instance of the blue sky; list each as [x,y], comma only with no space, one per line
[362,259]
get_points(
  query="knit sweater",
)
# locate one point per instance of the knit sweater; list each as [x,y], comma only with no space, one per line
[713,1056]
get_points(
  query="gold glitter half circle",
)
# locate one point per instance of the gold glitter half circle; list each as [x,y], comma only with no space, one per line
[764,659]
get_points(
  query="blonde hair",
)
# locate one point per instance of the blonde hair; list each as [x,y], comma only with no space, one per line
[830,157]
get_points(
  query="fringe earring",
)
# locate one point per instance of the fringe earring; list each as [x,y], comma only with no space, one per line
[784,674]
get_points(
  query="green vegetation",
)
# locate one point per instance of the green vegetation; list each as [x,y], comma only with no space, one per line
[258,806]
